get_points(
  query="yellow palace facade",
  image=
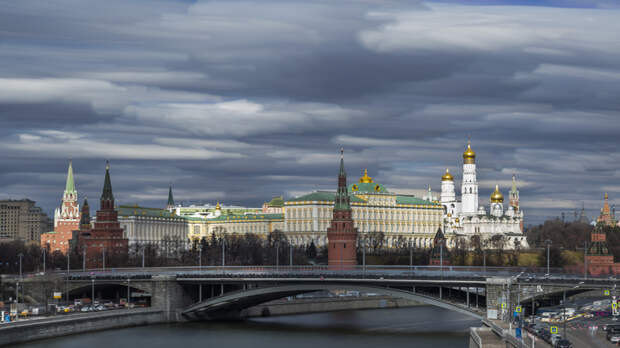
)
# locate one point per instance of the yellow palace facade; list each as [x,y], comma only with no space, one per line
[396,220]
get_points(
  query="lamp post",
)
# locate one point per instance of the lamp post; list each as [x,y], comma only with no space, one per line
[223,253]
[585,259]
[290,255]
[128,293]
[44,252]
[143,256]
[548,242]
[364,255]
[92,287]
[84,260]
[103,257]
[21,255]
[410,255]
[277,255]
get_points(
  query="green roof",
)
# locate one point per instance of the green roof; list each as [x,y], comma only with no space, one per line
[239,218]
[323,196]
[413,200]
[276,202]
[367,187]
[128,210]
[70,186]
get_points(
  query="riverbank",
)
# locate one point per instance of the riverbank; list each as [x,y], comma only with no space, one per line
[31,330]
[62,325]
[321,305]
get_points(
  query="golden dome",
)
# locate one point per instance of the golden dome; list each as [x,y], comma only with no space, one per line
[366,179]
[496,196]
[447,176]
[469,156]
[217,206]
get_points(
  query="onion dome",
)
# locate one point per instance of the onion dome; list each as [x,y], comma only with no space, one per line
[496,196]
[217,206]
[366,179]
[447,176]
[469,156]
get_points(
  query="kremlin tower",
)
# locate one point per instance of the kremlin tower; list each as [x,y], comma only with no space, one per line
[66,218]
[469,187]
[342,235]
[606,216]
[106,237]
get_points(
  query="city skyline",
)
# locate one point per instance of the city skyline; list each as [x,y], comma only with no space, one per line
[169,93]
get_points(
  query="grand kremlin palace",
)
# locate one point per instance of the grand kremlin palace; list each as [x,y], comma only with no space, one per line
[401,218]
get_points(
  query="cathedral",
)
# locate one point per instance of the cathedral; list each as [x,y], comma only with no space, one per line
[467,217]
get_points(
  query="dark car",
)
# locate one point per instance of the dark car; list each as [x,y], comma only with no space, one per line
[563,344]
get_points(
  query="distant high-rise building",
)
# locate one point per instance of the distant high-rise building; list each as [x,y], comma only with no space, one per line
[22,220]
[66,218]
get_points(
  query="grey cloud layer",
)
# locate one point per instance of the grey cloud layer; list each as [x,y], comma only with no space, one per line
[240,101]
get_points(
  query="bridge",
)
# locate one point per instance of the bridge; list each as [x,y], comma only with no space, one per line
[193,293]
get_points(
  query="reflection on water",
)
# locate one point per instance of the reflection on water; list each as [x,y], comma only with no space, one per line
[418,327]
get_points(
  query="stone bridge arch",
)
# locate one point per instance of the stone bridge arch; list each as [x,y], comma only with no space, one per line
[236,301]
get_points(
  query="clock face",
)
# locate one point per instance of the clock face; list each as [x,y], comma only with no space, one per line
[354,187]
[377,188]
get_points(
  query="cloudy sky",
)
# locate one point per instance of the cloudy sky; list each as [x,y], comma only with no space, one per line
[239,101]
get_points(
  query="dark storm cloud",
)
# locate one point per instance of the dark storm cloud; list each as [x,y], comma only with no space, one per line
[239,101]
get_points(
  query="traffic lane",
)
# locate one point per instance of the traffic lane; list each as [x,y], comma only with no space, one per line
[584,332]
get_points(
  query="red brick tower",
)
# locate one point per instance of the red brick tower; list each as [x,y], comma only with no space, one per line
[599,257]
[106,237]
[66,218]
[342,236]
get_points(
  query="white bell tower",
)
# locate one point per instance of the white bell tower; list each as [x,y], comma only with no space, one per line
[469,186]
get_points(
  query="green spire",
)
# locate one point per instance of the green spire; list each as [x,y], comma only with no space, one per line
[107,185]
[342,200]
[170,199]
[70,186]
[342,172]
[514,184]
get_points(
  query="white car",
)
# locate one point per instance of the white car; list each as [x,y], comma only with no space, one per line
[614,338]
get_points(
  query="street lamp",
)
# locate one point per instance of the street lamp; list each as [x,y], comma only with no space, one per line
[44,252]
[21,255]
[223,253]
[103,257]
[92,285]
[199,258]
[290,254]
[277,255]
[84,259]
[548,242]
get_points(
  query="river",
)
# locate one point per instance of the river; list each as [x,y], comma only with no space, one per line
[418,327]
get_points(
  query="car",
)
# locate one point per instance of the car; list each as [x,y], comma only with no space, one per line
[563,343]
[614,338]
[555,338]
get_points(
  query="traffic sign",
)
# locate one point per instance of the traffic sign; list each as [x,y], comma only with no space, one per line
[614,305]
[503,306]
[606,292]
[553,329]
[518,309]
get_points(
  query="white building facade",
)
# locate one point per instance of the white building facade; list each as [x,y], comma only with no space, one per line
[399,219]
[467,218]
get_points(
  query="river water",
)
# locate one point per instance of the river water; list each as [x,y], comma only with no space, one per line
[419,327]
